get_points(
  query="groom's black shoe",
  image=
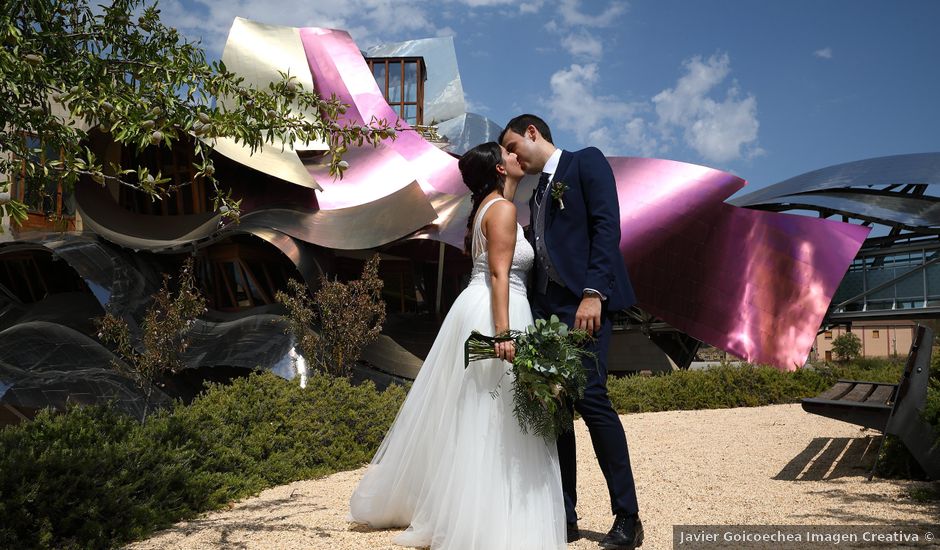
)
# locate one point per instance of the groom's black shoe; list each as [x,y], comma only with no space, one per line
[573,532]
[626,534]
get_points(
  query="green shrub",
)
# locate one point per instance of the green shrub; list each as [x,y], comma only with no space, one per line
[263,430]
[734,385]
[94,478]
[847,346]
[91,476]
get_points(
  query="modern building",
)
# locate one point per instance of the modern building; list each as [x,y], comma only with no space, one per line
[887,339]
[754,283]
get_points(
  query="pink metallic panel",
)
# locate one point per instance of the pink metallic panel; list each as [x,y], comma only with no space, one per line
[756,284]
[338,68]
[753,283]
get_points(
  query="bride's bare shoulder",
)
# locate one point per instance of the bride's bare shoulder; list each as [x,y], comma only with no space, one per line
[501,215]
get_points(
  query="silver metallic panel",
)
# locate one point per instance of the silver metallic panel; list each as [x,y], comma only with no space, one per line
[912,168]
[904,210]
[357,227]
[138,231]
[467,131]
[443,91]
[250,342]
[50,365]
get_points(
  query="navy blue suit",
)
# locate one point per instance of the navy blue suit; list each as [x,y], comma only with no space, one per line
[583,245]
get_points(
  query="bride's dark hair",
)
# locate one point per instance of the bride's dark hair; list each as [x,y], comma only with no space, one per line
[478,168]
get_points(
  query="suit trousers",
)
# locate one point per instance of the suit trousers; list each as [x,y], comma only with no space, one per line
[607,435]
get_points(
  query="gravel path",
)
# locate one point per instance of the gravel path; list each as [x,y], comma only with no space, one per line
[762,465]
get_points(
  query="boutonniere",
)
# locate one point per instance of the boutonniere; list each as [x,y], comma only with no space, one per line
[558,189]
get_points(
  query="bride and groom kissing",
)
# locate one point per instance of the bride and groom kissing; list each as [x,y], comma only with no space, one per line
[455,467]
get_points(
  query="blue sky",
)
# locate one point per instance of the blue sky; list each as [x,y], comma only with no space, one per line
[767,89]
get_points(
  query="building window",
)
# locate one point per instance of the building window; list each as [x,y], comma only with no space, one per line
[237,276]
[41,196]
[31,277]
[828,335]
[401,80]
[875,334]
[189,196]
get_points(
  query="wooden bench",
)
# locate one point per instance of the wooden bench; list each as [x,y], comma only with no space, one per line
[890,408]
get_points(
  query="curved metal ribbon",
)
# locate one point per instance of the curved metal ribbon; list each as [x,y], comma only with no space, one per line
[756,284]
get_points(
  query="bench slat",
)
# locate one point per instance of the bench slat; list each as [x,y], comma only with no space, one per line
[836,391]
[858,393]
[881,394]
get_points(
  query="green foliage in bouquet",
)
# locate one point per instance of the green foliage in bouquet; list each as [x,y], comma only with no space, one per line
[547,371]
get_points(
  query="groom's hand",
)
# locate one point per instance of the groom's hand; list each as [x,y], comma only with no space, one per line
[588,317]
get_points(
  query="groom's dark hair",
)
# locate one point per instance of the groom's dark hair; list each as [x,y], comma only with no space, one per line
[521,122]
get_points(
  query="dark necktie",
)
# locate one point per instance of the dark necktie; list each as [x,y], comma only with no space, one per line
[540,190]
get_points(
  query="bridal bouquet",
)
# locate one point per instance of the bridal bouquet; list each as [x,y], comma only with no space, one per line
[547,369]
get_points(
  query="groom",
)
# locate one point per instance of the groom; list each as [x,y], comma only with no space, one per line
[580,277]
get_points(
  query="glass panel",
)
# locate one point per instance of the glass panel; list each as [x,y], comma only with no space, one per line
[32,142]
[394,82]
[877,276]
[933,280]
[256,293]
[911,286]
[411,81]
[32,194]
[851,286]
[880,305]
[378,70]
[411,114]
[238,284]
[262,275]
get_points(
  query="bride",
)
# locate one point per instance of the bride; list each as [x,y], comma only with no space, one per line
[455,467]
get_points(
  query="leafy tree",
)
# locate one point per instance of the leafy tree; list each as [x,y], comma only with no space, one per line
[847,346]
[65,67]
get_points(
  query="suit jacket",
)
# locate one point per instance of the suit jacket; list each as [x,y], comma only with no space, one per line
[583,240]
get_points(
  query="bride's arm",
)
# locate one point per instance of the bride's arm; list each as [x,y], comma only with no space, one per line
[499,226]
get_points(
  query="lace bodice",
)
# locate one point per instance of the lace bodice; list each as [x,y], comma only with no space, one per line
[522,259]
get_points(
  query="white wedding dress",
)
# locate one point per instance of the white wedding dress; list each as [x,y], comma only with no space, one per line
[455,467]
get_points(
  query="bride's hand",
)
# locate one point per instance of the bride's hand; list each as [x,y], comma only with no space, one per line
[506,350]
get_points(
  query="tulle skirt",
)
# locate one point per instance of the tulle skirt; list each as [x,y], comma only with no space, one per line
[455,467]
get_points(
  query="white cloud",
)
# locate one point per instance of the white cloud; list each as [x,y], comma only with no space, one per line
[531,7]
[367,21]
[603,121]
[571,14]
[638,137]
[825,53]
[720,131]
[583,45]
[473,106]
[478,3]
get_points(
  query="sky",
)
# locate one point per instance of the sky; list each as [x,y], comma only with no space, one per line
[766,89]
